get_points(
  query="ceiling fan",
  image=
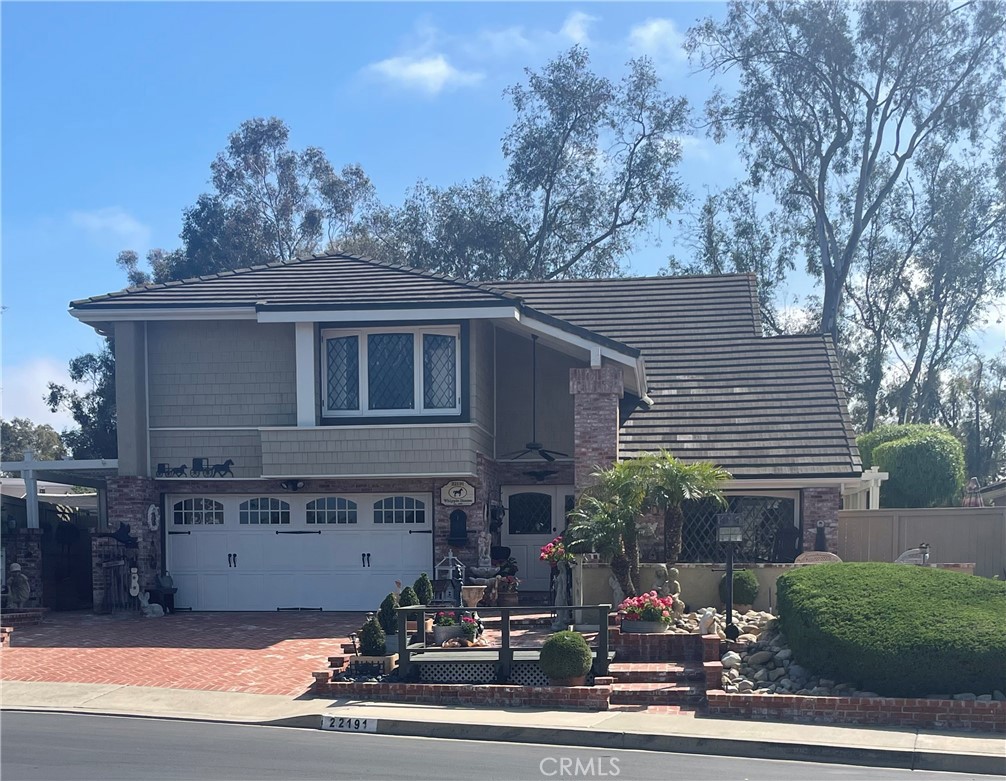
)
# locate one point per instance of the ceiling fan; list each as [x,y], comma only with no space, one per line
[534,446]
[541,474]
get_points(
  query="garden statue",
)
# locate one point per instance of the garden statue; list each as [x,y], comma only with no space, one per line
[660,581]
[707,621]
[678,607]
[563,618]
[18,588]
[484,541]
[148,610]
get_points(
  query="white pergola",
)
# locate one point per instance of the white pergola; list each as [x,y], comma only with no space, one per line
[91,473]
[864,492]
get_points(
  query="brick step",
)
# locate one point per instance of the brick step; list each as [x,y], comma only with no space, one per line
[23,618]
[5,635]
[657,694]
[337,662]
[347,648]
[322,676]
[656,672]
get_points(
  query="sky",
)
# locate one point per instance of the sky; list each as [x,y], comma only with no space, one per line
[113,112]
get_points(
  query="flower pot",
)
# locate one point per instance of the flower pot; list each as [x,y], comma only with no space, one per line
[506,599]
[643,627]
[580,680]
[442,633]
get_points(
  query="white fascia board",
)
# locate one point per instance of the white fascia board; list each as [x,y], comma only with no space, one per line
[383,315]
[770,483]
[180,313]
[59,466]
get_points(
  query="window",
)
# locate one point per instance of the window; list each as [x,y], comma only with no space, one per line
[399,509]
[198,511]
[391,371]
[331,509]
[770,522]
[263,511]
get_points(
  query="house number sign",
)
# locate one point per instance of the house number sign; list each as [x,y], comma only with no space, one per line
[457,493]
[345,724]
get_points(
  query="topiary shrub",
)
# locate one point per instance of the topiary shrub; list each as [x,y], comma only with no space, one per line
[387,617]
[565,655]
[745,588]
[898,630]
[372,639]
[925,463]
[424,589]
[926,470]
[408,597]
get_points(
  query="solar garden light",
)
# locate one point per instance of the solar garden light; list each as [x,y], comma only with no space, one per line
[730,532]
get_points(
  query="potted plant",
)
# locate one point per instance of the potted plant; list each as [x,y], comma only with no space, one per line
[646,613]
[372,639]
[507,591]
[555,553]
[469,628]
[424,589]
[406,599]
[388,619]
[446,624]
[745,590]
[565,659]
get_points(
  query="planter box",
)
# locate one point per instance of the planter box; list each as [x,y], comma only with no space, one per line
[387,663]
[643,627]
[442,633]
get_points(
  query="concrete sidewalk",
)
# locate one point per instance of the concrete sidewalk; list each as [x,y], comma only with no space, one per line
[897,748]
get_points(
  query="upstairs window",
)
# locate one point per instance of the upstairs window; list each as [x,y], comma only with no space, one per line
[391,371]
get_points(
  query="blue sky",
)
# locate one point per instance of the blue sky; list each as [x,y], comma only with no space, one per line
[113,112]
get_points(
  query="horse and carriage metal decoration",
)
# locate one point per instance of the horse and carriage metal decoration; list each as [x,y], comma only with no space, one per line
[201,467]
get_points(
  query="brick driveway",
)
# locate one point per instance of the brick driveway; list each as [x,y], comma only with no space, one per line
[258,653]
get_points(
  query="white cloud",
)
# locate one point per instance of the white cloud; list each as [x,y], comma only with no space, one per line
[112,222]
[505,42]
[24,386]
[695,147]
[659,39]
[575,27]
[430,74]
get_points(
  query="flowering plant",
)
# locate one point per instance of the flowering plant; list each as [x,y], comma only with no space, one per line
[469,627]
[555,552]
[509,583]
[446,618]
[647,607]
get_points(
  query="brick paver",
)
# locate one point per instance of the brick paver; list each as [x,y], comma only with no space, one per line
[259,653]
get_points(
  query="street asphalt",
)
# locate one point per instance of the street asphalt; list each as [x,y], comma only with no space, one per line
[76,747]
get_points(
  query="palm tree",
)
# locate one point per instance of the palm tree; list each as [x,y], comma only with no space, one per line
[605,519]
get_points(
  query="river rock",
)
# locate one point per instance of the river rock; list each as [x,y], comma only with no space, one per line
[731,659]
[744,686]
[775,675]
[965,696]
[761,675]
[759,657]
[984,698]
[783,655]
[747,638]
[998,696]
[797,672]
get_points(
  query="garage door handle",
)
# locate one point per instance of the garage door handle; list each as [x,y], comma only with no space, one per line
[363,559]
[368,559]
[230,559]
[179,532]
[300,531]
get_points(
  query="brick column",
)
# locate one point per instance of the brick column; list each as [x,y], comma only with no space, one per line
[820,504]
[596,392]
[24,546]
[128,500]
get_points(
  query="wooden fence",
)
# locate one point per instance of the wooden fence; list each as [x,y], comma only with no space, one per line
[955,534]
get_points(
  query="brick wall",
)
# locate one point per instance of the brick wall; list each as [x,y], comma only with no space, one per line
[24,547]
[820,504]
[887,711]
[128,499]
[596,392]
[663,647]
[490,695]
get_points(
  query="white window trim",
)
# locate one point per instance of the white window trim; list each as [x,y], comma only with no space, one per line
[417,375]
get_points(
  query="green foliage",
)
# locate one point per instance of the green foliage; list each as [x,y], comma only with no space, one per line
[926,470]
[408,597]
[565,655]
[94,409]
[899,630]
[387,617]
[424,589]
[871,440]
[372,639]
[745,588]
[21,434]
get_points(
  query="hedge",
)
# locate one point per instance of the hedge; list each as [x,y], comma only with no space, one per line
[871,440]
[898,630]
[925,464]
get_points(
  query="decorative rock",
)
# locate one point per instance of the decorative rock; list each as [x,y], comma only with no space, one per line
[783,655]
[731,659]
[763,685]
[820,691]
[731,689]
[760,657]
[744,686]
[937,696]
[796,671]
[751,629]
[998,696]
[747,638]
[984,698]
[786,684]
[761,675]
[827,683]
[965,696]
[775,675]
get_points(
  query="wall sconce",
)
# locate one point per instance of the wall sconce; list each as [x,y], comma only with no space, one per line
[292,485]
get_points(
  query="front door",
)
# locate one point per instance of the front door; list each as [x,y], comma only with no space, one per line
[535,515]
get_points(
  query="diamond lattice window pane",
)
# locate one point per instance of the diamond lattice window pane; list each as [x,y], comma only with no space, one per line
[439,375]
[530,513]
[769,523]
[343,373]
[391,371]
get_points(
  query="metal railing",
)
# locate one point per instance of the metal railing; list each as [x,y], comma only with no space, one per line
[504,652]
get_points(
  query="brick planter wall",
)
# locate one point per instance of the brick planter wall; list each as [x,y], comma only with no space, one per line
[885,711]
[663,647]
[594,698]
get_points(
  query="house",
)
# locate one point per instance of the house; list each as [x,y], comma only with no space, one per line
[311,431]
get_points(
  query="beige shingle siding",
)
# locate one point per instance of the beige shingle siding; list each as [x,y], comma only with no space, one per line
[180,447]
[481,385]
[225,373]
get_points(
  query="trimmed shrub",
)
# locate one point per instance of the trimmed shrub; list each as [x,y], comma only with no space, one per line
[898,630]
[745,588]
[387,617]
[926,470]
[565,655]
[408,597]
[871,440]
[372,639]
[424,589]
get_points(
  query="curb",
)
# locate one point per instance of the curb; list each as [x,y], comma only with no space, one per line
[978,764]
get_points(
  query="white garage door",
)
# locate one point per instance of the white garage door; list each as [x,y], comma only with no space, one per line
[341,552]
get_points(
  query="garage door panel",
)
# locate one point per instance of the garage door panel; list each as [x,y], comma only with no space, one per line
[212,550]
[188,590]
[215,591]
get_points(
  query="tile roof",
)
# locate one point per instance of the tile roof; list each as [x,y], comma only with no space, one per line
[759,407]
